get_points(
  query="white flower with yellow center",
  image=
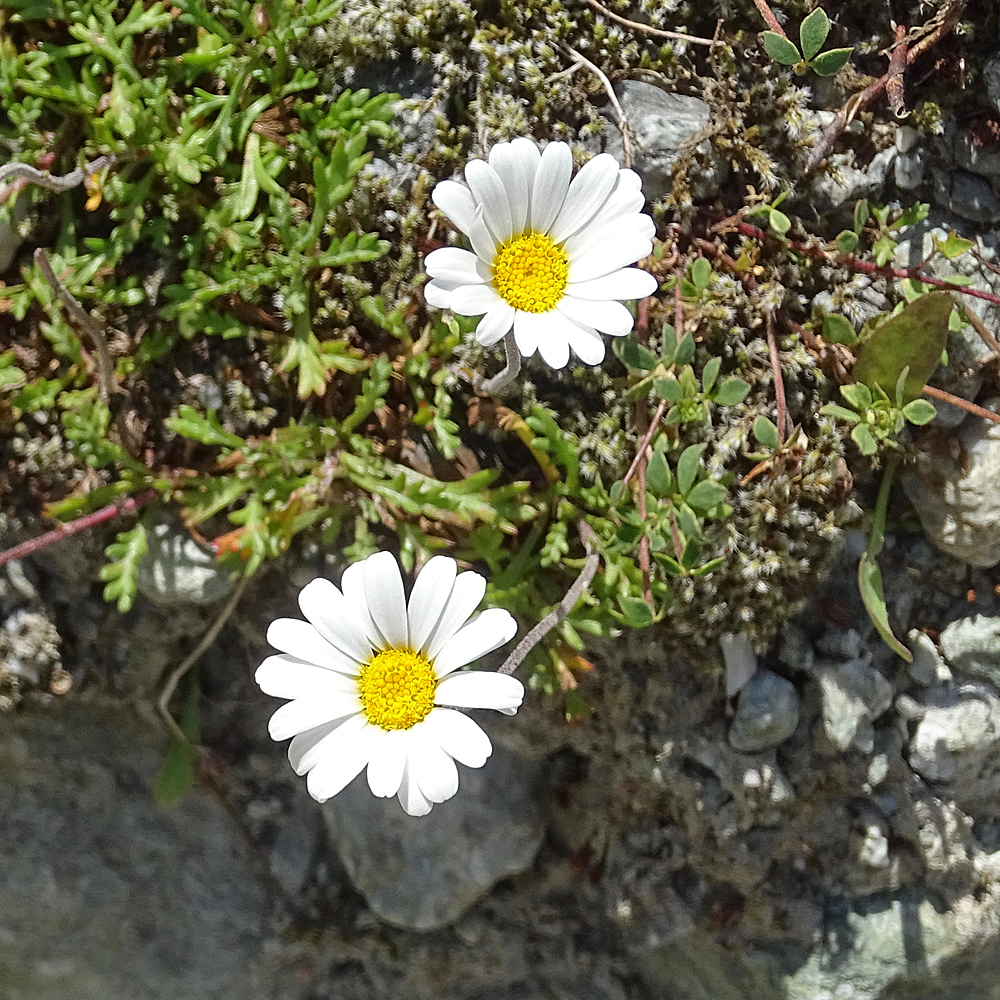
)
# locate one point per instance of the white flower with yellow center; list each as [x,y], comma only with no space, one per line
[368,676]
[551,256]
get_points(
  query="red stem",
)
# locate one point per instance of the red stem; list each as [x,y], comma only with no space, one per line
[126,506]
[768,15]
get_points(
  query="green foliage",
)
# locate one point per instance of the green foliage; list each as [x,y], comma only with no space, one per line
[122,568]
[813,33]
[177,773]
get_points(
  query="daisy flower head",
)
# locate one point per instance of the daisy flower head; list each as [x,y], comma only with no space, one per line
[374,680]
[550,254]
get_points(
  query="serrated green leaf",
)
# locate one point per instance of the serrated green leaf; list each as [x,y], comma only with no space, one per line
[766,433]
[830,63]
[687,467]
[780,49]
[813,32]
[953,245]
[731,392]
[913,339]
[191,424]
[839,329]
[121,571]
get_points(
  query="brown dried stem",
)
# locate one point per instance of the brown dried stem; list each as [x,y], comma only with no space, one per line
[963,404]
[648,28]
[768,15]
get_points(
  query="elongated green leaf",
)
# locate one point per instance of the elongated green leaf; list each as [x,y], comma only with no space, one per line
[831,62]
[766,433]
[780,49]
[687,467]
[914,339]
[813,32]
[177,775]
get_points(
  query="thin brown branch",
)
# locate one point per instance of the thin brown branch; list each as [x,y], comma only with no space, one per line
[768,15]
[644,444]
[779,382]
[648,28]
[127,506]
[612,96]
[962,404]
[566,605]
[984,334]
[894,78]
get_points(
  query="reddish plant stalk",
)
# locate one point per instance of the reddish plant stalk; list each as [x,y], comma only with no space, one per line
[768,15]
[779,382]
[127,506]
[963,404]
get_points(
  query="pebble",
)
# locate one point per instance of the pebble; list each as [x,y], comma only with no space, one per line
[854,694]
[927,664]
[767,713]
[967,195]
[957,735]
[177,570]
[972,645]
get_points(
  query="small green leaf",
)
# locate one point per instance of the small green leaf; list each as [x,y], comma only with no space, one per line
[658,475]
[914,338]
[701,274]
[191,424]
[731,392]
[830,63]
[813,32]
[632,354]
[122,568]
[780,49]
[177,775]
[839,329]
[953,245]
[841,412]
[858,395]
[616,491]
[847,241]
[862,437]
[668,389]
[705,495]
[246,197]
[919,411]
[710,373]
[780,222]
[636,611]
[860,215]
[766,433]
[687,467]
[685,351]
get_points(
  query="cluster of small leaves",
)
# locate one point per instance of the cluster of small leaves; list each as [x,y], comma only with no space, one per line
[813,33]
[121,570]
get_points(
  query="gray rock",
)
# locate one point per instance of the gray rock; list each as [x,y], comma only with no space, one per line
[991,78]
[766,714]
[910,169]
[973,155]
[426,872]
[795,650]
[29,646]
[957,735]
[955,495]
[660,125]
[967,195]
[854,694]
[845,183]
[177,570]
[972,645]
[927,663]
[840,643]
[106,896]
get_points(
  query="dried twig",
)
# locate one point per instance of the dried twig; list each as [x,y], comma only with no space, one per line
[26,172]
[127,506]
[894,78]
[610,90]
[648,28]
[105,366]
[768,15]
[941,25]
[644,444]
[963,404]
[167,691]
[779,382]
[566,605]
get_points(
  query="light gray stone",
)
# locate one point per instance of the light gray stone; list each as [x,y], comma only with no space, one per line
[177,570]
[967,195]
[910,169]
[425,872]
[29,646]
[660,124]
[927,663]
[972,645]
[957,736]
[955,495]
[105,895]
[854,694]
[766,714]
[846,183]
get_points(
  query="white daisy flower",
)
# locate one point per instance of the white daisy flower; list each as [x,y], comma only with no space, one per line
[368,676]
[551,256]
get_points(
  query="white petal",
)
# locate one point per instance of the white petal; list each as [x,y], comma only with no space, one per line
[628,283]
[488,190]
[456,201]
[285,676]
[553,345]
[331,614]
[429,597]
[340,765]
[530,156]
[438,293]
[482,239]
[303,642]
[386,598]
[608,316]
[308,747]
[388,758]
[508,164]
[551,185]
[621,205]
[456,264]
[433,770]
[465,597]
[480,636]
[586,343]
[473,300]
[495,325]
[459,736]
[480,689]
[614,255]
[636,226]
[297,716]
[352,583]
[587,194]
[410,797]
[529,328]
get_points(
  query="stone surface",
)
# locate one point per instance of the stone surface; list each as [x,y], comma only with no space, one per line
[29,646]
[660,124]
[426,872]
[106,896]
[177,570]
[972,645]
[766,714]
[967,195]
[927,663]
[846,183]
[854,694]
[954,492]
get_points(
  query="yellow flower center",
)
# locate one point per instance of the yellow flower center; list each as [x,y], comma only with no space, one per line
[530,272]
[397,688]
